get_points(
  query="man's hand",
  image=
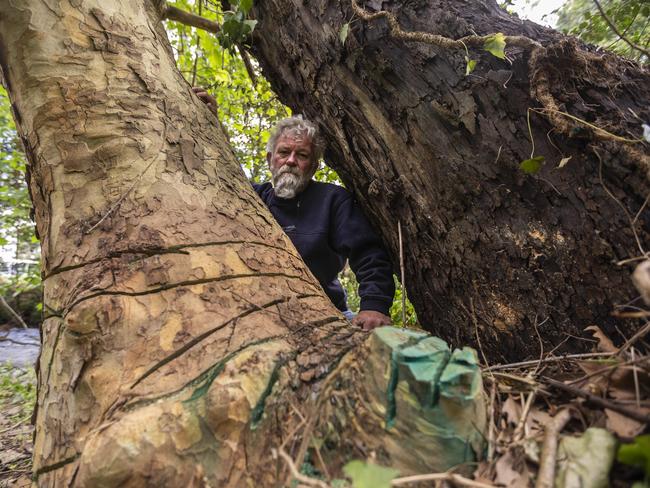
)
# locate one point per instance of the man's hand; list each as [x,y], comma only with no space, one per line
[206,98]
[369,319]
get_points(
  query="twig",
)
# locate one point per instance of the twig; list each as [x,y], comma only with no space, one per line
[8,429]
[601,402]
[553,359]
[541,344]
[188,18]
[401,267]
[641,314]
[454,478]
[519,430]
[13,313]
[640,333]
[636,382]
[491,426]
[617,32]
[295,473]
[548,458]
[606,369]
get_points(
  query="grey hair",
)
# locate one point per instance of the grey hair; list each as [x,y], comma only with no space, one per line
[299,126]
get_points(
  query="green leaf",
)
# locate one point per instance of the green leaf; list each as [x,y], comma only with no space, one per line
[495,45]
[471,64]
[532,166]
[636,453]
[366,475]
[245,5]
[251,24]
[343,33]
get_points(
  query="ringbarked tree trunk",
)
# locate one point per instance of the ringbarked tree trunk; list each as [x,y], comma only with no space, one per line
[421,143]
[184,339]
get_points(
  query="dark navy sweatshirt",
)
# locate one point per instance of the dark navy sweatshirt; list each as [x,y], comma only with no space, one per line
[327,227]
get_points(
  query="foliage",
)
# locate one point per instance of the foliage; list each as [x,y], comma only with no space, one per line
[396,309]
[637,453]
[631,17]
[18,387]
[15,224]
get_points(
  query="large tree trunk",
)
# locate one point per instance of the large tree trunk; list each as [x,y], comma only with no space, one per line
[184,337]
[486,246]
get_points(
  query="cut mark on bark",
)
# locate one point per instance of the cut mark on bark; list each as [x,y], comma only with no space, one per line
[207,375]
[178,249]
[208,333]
[171,286]
[55,466]
[258,409]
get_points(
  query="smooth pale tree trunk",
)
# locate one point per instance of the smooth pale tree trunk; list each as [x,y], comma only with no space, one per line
[183,336]
[486,246]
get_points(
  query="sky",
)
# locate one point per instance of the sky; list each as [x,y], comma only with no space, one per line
[538,11]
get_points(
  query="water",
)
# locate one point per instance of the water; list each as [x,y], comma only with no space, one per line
[23,354]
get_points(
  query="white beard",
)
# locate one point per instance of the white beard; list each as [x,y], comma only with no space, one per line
[288,184]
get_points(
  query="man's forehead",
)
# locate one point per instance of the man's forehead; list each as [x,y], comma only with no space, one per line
[293,137]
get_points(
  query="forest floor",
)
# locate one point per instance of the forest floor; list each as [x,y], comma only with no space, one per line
[571,412]
[17,397]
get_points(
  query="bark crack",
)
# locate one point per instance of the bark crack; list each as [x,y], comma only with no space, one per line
[171,286]
[178,249]
[54,466]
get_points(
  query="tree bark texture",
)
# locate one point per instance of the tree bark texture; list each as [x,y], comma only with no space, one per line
[183,336]
[489,250]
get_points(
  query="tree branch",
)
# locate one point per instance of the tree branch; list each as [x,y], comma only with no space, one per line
[617,32]
[188,18]
[13,313]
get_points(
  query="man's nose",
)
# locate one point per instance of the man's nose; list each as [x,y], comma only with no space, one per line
[291,160]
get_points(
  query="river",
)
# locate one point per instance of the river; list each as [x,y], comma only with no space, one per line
[19,347]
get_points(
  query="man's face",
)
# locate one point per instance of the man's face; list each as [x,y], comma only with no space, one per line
[291,164]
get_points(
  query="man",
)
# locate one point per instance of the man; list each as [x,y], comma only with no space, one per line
[323,221]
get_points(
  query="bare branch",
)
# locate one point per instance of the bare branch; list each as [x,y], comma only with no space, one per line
[188,18]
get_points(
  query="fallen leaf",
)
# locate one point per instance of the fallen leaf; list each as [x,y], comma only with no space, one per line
[623,426]
[604,343]
[563,162]
[511,471]
[512,410]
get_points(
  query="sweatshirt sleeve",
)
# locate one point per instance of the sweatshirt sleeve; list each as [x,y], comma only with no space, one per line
[354,238]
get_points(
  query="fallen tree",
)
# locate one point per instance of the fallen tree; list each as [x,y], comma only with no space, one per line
[437,128]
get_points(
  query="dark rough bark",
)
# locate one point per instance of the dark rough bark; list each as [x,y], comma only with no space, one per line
[423,144]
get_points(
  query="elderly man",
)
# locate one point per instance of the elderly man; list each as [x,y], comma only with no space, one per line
[323,221]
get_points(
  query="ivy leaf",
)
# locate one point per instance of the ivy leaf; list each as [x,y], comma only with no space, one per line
[245,5]
[343,33]
[469,67]
[532,166]
[250,24]
[563,162]
[366,475]
[636,453]
[495,45]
